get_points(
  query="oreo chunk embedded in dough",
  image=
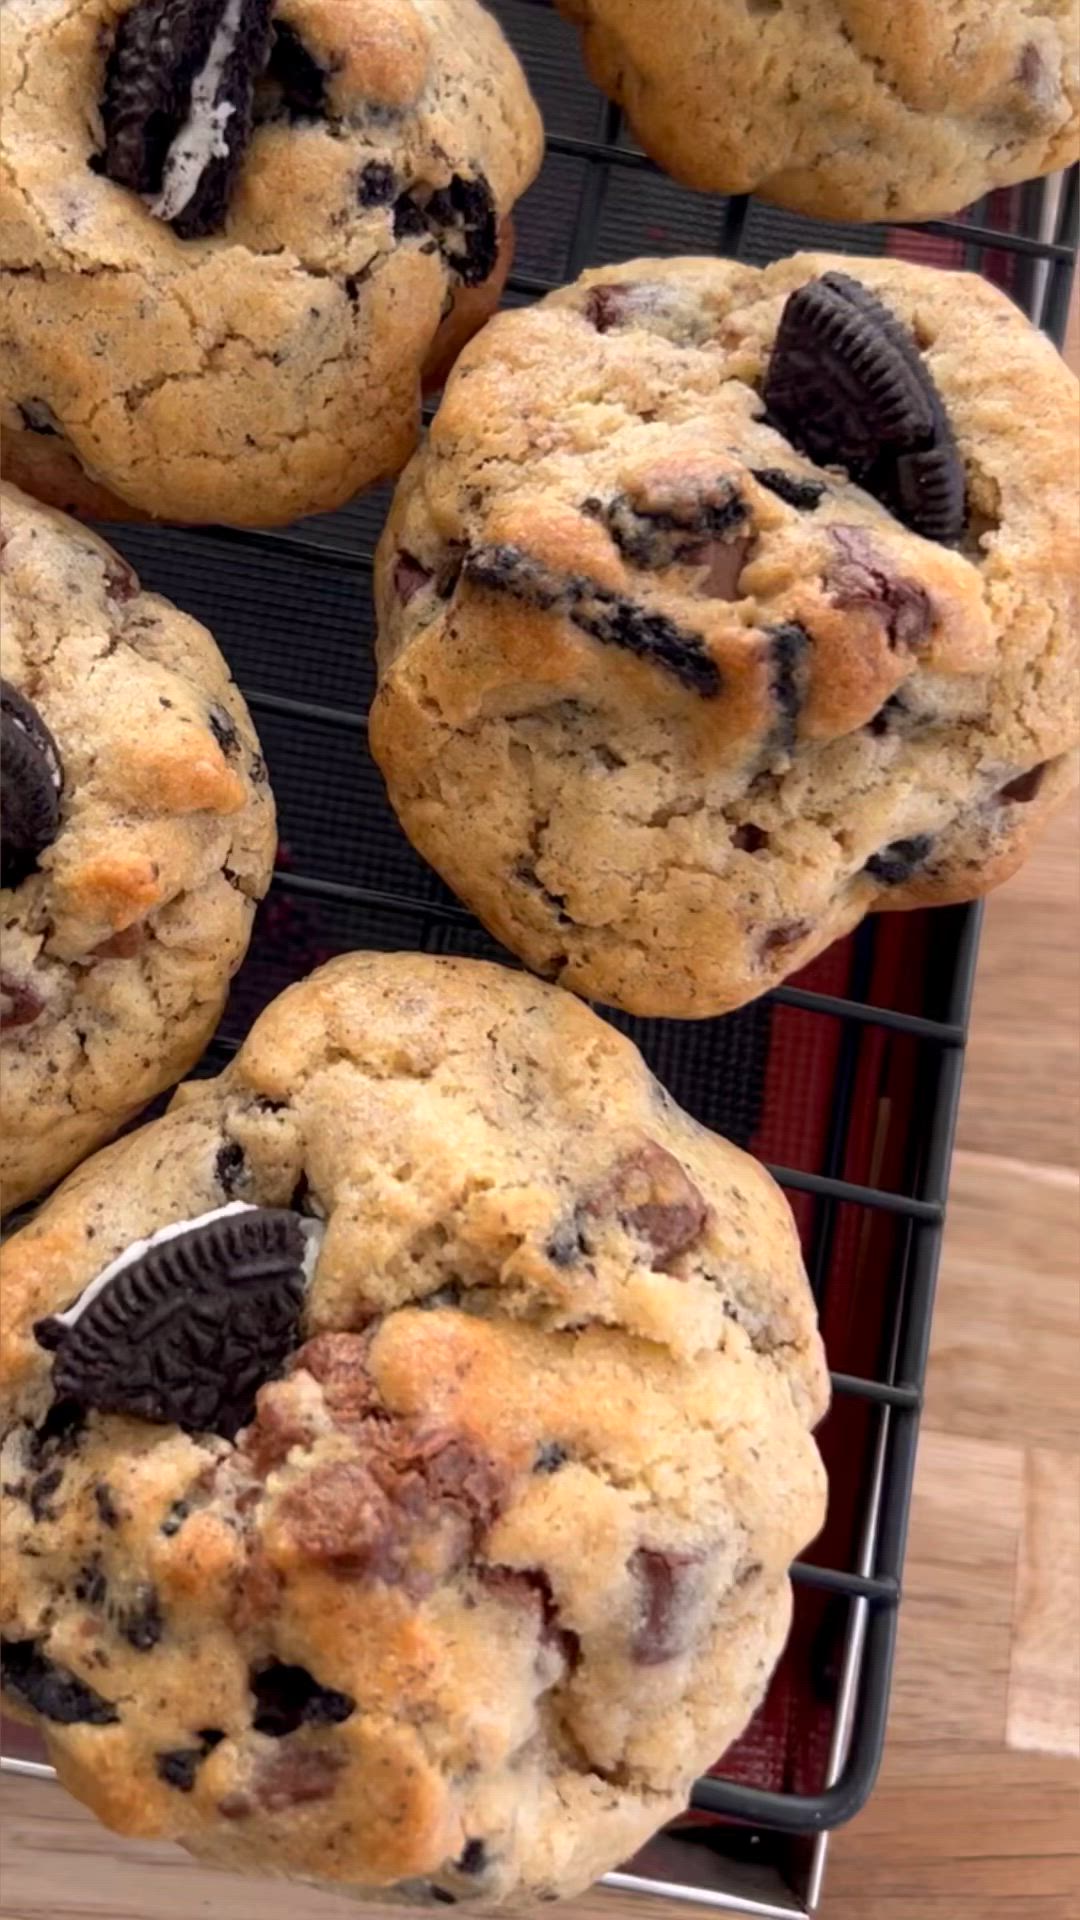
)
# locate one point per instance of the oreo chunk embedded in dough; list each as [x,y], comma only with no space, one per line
[192,1328]
[462,218]
[847,385]
[31,781]
[177,108]
[37,1682]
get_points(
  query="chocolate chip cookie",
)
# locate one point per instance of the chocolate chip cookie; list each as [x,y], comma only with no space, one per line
[853,109]
[406,1441]
[238,234]
[137,835]
[723,606]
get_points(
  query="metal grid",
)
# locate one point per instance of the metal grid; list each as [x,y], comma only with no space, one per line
[1029,236]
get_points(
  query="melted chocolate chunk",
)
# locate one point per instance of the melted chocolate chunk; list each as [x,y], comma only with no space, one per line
[605,616]
[788,642]
[896,863]
[847,385]
[654,1196]
[20,1002]
[608,306]
[296,1777]
[461,218]
[52,1691]
[1025,786]
[410,577]
[862,576]
[671,1586]
[177,108]
[189,1331]
[288,1698]
[31,781]
[787,933]
[791,487]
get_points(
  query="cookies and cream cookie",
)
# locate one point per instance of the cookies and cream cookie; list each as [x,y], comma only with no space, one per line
[237,236]
[723,606]
[138,835]
[405,1443]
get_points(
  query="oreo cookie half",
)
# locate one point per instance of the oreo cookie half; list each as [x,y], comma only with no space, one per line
[185,1328]
[177,109]
[847,385]
[31,781]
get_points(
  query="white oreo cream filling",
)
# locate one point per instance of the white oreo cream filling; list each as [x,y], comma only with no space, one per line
[202,136]
[312,1230]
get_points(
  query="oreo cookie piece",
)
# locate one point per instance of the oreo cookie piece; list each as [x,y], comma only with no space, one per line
[461,217]
[31,781]
[186,1327]
[37,1682]
[177,109]
[847,386]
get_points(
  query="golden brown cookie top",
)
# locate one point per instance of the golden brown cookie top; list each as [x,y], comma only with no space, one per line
[847,108]
[723,604]
[507,1525]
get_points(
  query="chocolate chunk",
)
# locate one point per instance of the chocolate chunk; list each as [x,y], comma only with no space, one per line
[791,487]
[749,839]
[141,1623]
[530,1587]
[223,728]
[897,862]
[121,946]
[473,1857]
[654,1196]
[787,933]
[723,561]
[1025,786]
[108,1512]
[31,781]
[288,1698]
[231,1168]
[296,1777]
[37,416]
[605,616]
[378,184]
[671,1586]
[411,1503]
[177,108]
[300,77]
[410,577]
[461,218]
[607,306]
[190,1330]
[41,1492]
[681,531]
[20,1002]
[788,644]
[34,1681]
[550,1457]
[847,385]
[862,576]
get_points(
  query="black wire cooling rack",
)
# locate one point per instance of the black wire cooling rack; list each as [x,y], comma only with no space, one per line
[850,1078]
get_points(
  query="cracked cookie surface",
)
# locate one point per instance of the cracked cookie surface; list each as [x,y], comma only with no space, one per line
[502,1560]
[118,939]
[237,236]
[850,109]
[670,705]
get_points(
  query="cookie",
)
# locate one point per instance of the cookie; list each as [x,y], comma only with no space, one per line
[495,1560]
[137,836]
[725,605]
[239,236]
[845,108]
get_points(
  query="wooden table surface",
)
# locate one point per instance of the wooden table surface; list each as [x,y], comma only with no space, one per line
[975,1816]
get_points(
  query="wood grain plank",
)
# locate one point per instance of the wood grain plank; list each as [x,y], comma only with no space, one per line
[1044,1672]
[1007,1320]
